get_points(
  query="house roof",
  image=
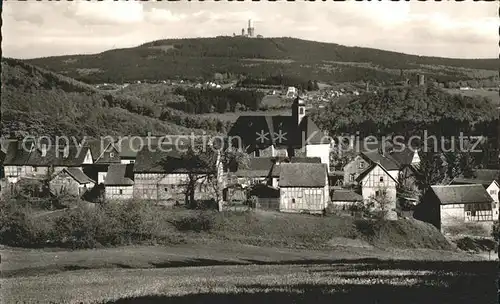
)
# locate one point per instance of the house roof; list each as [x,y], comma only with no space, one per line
[168,159]
[257,167]
[480,176]
[345,196]
[369,169]
[78,175]
[98,147]
[385,161]
[461,194]
[302,175]
[119,175]
[17,155]
[278,130]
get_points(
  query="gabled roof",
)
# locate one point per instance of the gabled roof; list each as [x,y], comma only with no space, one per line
[78,175]
[168,159]
[257,167]
[302,175]
[345,196]
[370,169]
[119,175]
[98,147]
[461,194]
[17,155]
[248,128]
[386,161]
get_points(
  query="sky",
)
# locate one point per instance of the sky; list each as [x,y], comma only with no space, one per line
[445,29]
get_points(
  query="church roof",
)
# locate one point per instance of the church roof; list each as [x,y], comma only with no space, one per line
[263,131]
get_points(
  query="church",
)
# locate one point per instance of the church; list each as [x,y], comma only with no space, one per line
[293,135]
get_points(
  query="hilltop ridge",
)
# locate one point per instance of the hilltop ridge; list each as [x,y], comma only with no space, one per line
[200,58]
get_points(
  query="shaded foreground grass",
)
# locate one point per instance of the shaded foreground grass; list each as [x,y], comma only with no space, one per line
[373,281]
[25,262]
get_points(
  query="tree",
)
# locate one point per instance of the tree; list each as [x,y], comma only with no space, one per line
[205,164]
[380,203]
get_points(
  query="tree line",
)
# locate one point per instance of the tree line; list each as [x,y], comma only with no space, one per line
[216,100]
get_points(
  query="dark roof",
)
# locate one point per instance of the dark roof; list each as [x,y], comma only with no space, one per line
[78,175]
[461,194]
[18,156]
[248,128]
[302,175]
[257,167]
[168,159]
[98,147]
[369,169]
[345,196]
[385,161]
[119,175]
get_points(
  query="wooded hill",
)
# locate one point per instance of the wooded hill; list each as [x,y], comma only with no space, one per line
[39,102]
[202,58]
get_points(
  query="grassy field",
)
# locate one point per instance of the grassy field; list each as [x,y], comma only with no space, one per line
[493,95]
[156,275]
[254,256]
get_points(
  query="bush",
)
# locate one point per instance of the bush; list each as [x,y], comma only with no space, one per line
[19,228]
[84,226]
[198,223]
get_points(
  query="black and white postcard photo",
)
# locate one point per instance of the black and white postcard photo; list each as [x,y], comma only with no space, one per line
[246,152]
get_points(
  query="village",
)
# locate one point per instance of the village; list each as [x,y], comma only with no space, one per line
[288,169]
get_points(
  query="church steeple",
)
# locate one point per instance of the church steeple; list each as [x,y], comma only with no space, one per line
[298,109]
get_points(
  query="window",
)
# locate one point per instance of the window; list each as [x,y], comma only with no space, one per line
[120,191]
[361,164]
[377,193]
[257,153]
[301,110]
[111,154]
[293,201]
[493,192]
[35,169]
[351,177]
[132,161]
[381,179]
[299,195]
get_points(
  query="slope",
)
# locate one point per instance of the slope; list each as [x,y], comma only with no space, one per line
[39,102]
[200,58]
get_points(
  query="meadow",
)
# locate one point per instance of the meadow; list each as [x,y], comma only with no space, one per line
[244,274]
[253,256]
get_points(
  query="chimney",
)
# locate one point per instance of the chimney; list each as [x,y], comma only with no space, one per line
[242,32]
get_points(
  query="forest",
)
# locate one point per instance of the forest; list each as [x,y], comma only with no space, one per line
[40,102]
[202,58]
[200,101]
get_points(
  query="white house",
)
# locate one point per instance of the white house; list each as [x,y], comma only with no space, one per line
[492,190]
[375,182]
[118,184]
[463,209]
[303,187]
